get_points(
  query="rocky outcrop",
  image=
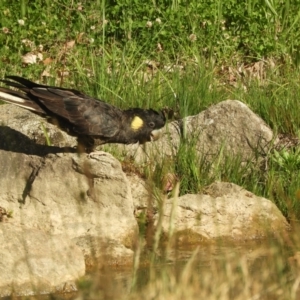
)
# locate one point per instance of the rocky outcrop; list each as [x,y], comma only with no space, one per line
[84,201]
[224,210]
[77,196]
[33,261]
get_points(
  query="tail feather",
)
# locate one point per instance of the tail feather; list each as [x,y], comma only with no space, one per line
[20,99]
[24,82]
[14,84]
[15,93]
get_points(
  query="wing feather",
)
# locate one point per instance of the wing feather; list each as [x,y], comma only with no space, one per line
[93,117]
[80,113]
[88,116]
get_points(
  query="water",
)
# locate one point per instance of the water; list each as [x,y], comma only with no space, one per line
[263,263]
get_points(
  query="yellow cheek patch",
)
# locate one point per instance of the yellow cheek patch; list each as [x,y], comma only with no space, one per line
[136,123]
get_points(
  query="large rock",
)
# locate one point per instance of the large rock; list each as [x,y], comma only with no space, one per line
[65,200]
[33,261]
[225,210]
[70,195]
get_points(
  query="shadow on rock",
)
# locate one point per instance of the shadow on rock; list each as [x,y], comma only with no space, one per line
[15,141]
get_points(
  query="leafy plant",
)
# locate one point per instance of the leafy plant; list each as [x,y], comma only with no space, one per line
[286,161]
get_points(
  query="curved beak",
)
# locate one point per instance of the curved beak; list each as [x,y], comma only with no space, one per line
[155,134]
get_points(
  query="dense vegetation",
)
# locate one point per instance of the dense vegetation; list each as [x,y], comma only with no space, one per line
[219,30]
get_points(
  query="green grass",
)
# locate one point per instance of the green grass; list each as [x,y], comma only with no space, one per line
[217,30]
[127,63]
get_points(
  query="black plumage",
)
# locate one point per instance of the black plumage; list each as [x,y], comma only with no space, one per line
[93,121]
